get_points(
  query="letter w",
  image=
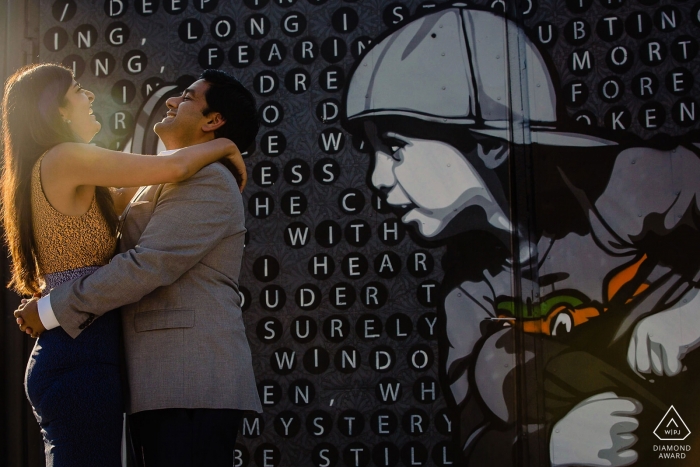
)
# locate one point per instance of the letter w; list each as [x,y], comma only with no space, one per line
[331,139]
[297,236]
[285,359]
[390,391]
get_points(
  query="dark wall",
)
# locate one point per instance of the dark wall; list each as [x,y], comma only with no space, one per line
[492,206]
[20,440]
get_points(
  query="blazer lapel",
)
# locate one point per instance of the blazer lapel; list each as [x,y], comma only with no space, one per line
[135,217]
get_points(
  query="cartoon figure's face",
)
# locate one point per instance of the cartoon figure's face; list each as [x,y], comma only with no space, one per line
[430,181]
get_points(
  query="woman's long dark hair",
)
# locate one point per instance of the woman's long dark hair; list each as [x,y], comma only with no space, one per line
[31,125]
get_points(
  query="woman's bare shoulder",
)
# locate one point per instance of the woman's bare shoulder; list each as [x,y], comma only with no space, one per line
[64,155]
[63,150]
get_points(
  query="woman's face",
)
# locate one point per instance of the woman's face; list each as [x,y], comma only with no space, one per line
[78,109]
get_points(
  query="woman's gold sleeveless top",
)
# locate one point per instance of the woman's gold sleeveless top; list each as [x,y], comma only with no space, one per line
[68,242]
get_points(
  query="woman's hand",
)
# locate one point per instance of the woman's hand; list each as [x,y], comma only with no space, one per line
[236,159]
[27,317]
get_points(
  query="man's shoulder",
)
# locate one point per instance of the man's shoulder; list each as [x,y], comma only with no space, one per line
[216,170]
[213,184]
[213,175]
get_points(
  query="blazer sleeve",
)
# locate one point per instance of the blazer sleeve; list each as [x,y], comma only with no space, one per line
[189,220]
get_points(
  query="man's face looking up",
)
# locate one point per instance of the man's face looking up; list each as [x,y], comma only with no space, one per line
[183,123]
[431,181]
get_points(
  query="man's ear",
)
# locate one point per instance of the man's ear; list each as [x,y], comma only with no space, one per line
[493,152]
[214,121]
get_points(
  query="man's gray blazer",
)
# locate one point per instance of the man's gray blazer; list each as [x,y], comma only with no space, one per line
[176,279]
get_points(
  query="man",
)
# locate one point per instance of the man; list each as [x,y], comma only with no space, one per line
[554,320]
[176,278]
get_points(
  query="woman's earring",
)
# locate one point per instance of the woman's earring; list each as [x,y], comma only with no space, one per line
[68,121]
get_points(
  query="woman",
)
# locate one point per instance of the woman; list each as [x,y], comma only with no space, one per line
[60,223]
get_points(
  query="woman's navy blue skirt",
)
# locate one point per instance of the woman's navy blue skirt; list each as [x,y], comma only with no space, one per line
[75,390]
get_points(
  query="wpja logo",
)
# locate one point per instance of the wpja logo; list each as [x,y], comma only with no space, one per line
[672,428]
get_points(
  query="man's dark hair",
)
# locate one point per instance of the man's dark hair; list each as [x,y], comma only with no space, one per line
[236,104]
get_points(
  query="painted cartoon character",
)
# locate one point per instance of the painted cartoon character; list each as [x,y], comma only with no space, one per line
[558,313]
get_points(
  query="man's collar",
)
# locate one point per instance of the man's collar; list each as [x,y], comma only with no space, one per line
[168,152]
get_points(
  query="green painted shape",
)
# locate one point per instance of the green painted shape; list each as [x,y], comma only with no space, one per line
[537,310]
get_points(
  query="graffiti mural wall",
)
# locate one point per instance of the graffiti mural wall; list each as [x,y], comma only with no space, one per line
[472,226]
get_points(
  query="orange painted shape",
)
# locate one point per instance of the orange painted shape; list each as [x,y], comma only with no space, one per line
[623,277]
[534,326]
[581,315]
[639,290]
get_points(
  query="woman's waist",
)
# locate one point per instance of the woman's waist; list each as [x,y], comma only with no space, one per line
[54,279]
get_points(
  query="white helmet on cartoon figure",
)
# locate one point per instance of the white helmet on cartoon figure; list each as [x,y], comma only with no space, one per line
[461,65]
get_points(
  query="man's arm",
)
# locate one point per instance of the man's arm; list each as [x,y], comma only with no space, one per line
[189,220]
